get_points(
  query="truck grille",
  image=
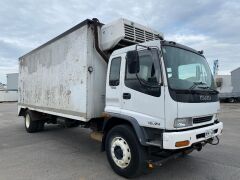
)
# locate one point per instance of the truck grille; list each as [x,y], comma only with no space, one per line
[202,119]
[138,35]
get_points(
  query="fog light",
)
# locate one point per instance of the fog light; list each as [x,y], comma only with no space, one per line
[182,143]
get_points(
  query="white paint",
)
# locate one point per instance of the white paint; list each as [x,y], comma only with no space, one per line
[8,96]
[226,83]
[159,111]
[56,76]
[113,33]
[53,113]
[146,109]
[170,138]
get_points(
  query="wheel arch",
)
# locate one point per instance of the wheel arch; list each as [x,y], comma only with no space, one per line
[22,111]
[34,114]
[117,119]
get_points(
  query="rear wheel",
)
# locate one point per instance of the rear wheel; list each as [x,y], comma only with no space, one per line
[125,154]
[40,125]
[32,125]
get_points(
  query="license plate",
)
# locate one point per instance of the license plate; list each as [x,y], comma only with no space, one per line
[209,133]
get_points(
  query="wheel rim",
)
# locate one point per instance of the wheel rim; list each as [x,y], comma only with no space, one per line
[27,121]
[120,151]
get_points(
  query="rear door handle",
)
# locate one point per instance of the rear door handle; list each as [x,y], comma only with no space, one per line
[126,96]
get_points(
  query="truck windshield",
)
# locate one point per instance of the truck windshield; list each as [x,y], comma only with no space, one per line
[187,70]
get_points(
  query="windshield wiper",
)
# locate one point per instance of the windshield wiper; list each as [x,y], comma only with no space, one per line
[196,84]
[214,90]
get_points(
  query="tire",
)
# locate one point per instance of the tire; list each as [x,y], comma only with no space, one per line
[125,154]
[31,126]
[40,125]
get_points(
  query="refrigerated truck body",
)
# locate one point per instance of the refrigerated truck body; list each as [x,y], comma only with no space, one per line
[229,86]
[140,94]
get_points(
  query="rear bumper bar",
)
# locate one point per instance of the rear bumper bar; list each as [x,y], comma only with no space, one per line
[193,136]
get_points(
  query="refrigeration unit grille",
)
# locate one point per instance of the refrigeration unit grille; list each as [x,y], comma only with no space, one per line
[138,35]
[129,32]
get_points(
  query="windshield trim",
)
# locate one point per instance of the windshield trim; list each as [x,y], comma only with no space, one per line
[180,46]
[190,91]
[193,91]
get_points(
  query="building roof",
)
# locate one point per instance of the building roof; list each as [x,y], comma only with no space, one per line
[236,69]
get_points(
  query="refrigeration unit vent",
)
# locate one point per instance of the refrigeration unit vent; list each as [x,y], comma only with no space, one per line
[122,33]
[138,35]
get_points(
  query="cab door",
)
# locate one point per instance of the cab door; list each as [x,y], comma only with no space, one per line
[114,86]
[142,93]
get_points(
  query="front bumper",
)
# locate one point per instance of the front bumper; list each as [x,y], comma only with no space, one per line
[193,136]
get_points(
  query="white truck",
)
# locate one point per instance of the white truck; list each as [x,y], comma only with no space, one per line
[146,99]
[228,86]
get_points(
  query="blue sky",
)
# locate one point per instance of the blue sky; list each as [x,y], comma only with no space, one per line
[211,25]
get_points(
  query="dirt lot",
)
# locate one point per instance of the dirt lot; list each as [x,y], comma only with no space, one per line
[58,153]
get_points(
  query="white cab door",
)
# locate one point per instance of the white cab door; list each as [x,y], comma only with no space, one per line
[114,86]
[140,101]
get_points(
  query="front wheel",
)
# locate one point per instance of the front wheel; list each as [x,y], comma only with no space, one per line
[124,152]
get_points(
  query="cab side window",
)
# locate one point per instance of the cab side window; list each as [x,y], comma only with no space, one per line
[149,73]
[114,76]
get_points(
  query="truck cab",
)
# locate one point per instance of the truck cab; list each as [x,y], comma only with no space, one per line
[167,87]
[167,92]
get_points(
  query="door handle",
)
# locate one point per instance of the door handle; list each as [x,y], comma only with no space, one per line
[126,96]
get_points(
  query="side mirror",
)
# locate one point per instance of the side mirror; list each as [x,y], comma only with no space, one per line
[133,62]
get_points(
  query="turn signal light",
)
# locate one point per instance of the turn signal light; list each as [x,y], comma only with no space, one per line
[150,165]
[182,143]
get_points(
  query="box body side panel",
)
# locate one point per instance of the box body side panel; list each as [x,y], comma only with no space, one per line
[54,78]
[96,80]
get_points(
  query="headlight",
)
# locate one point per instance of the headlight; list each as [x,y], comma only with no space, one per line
[182,122]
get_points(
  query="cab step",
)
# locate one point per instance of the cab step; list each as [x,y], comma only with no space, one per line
[97,136]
